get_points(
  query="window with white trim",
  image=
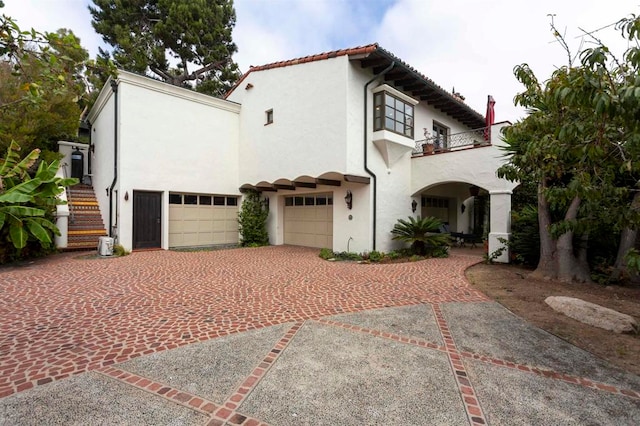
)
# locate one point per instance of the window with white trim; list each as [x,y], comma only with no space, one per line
[393,114]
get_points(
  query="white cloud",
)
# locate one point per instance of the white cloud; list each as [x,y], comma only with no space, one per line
[50,15]
[470,45]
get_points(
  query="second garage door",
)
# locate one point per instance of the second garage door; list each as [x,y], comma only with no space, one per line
[308,220]
[202,220]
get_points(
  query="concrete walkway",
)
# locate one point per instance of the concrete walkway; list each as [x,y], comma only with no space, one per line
[277,336]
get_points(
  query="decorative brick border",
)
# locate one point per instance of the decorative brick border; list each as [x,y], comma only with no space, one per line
[550,374]
[227,412]
[467,392]
[385,335]
[160,389]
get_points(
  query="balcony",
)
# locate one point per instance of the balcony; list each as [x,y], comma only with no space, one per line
[453,142]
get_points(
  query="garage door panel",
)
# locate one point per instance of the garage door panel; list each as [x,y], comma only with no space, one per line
[309,225]
[199,225]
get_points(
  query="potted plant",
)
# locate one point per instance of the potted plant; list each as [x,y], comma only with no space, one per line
[427,147]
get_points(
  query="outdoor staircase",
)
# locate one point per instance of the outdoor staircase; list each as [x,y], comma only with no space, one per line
[85,221]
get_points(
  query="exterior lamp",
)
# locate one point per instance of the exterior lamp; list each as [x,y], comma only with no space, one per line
[349,199]
[265,201]
[462,208]
[414,206]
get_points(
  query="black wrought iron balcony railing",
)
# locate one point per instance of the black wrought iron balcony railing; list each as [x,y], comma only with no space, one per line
[453,142]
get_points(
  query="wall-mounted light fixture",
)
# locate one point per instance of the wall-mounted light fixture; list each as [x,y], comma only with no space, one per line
[349,199]
[265,201]
[126,196]
[462,208]
[414,206]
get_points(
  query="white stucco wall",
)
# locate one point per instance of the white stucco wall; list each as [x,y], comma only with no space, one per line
[308,133]
[102,138]
[170,139]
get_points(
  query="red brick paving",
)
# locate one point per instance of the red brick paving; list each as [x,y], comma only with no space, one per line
[68,314]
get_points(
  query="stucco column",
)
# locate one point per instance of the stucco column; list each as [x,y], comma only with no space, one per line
[500,225]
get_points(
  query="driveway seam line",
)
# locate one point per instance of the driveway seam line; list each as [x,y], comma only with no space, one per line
[469,397]
[384,335]
[227,412]
[163,390]
[554,375]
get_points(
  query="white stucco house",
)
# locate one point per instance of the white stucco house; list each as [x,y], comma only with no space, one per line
[169,166]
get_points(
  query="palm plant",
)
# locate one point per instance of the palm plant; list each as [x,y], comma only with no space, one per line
[421,233]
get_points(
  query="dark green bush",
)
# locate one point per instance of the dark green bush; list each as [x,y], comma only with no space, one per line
[326,254]
[376,256]
[252,221]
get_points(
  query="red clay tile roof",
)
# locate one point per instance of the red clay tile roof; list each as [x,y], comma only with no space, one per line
[455,107]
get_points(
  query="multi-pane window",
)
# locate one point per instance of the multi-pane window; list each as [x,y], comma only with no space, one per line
[440,136]
[203,200]
[392,113]
[309,200]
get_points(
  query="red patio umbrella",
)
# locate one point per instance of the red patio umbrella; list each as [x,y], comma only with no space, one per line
[490,117]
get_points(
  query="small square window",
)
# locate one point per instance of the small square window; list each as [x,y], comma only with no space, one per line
[218,201]
[309,201]
[330,200]
[175,199]
[299,201]
[205,200]
[191,199]
[288,201]
[268,116]
[321,201]
[232,201]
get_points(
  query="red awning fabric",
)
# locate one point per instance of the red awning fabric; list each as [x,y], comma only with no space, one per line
[490,118]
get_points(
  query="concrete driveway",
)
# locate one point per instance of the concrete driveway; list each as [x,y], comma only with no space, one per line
[277,336]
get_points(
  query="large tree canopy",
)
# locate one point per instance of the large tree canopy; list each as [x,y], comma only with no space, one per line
[580,144]
[42,86]
[183,42]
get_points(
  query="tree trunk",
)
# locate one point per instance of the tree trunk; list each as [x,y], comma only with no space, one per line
[571,268]
[627,241]
[546,266]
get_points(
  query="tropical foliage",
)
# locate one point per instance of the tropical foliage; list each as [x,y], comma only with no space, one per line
[421,233]
[44,86]
[252,221]
[183,42]
[27,203]
[580,144]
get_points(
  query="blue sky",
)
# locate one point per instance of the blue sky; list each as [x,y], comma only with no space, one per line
[467,44]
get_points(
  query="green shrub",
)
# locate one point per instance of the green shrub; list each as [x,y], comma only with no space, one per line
[326,254]
[344,255]
[118,250]
[393,255]
[376,256]
[252,221]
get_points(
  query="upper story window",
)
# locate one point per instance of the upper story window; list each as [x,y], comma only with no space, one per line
[440,135]
[268,115]
[393,111]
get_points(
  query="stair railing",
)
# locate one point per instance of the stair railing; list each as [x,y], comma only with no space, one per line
[69,203]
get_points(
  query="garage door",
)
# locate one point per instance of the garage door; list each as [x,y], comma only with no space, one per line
[202,220]
[308,220]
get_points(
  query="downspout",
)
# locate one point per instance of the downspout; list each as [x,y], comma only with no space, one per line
[366,168]
[89,150]
[114,87]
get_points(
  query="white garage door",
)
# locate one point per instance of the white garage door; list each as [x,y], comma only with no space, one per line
[202,220]
[308,220]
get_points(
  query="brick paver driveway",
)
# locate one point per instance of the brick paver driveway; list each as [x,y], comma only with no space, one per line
[68,314]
